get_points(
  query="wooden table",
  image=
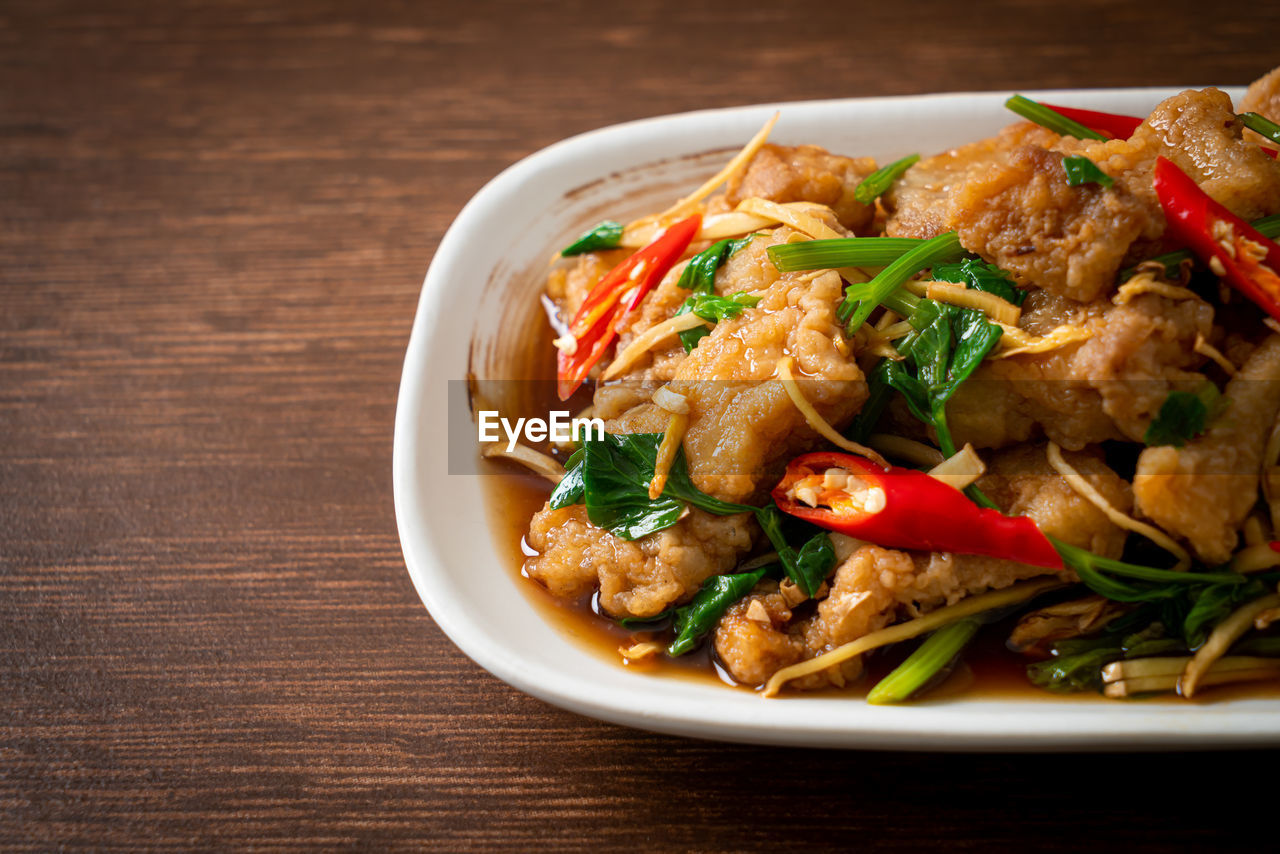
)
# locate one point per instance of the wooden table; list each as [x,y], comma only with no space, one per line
[215,221]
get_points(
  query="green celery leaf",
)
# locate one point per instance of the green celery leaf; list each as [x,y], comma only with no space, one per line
[616,471]
[699,617]
[1183,416]
[1066,674]
[699,275]
[1082,170]
[1211,605]
[811,564]
[606,235]
[980,275]
[870,187]
[712,308]
[569,490]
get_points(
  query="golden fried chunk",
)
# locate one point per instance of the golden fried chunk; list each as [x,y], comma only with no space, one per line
[1107,387]
[1025,217]
[806,173]
[1263,98]
[637,578]
[919,202]
[1197,130]
[1203,491]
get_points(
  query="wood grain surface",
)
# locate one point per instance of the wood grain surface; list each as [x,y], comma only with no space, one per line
[214,221]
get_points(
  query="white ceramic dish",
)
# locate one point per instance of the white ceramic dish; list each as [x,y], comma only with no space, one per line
[493,257]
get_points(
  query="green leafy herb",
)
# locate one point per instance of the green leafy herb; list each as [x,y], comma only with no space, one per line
[946,347]
[1102,575]
[616,471]
[840,252]
[1183,416]
[1073,672]
[699,275]
[696,619]
[1262,125]
[921,667]
[1214,604]
[811,563]
[980,275]
[1082,170]
[712,308]
[569,490]
[606,235]
[861,300]
[870,188]
[1050,118]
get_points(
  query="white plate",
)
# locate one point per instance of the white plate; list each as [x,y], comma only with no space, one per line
[492,259]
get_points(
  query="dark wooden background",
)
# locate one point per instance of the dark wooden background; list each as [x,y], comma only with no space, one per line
[214,221]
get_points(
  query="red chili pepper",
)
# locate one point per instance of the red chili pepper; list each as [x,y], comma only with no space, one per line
[595,325]
[1248,260]
[1110,124]
[1275,545]
[903,508]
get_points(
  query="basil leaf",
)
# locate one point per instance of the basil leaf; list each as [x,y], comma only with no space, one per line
[1082,170]
[809,566]
[1183,416]
[713,308]
[980,275]
[569,490]
[614,475]
[606,235]
[699,274]
[696,619]
[872,186]
[615,486]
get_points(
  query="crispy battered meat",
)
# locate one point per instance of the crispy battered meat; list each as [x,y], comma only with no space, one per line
[1203,491]
[1263,98]
[806,173]
[1198,131]
[636,578]
[1024,216]
[753,650]
[1107,387]
[875,586]
[919,202]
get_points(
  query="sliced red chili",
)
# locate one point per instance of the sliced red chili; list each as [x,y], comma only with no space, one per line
[1110,124]
[617,294]
[1232,248]
[903,508]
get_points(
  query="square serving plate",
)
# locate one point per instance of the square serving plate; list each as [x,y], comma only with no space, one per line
[494,257]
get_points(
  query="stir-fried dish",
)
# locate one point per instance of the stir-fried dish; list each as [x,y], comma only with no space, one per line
[1031,383]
